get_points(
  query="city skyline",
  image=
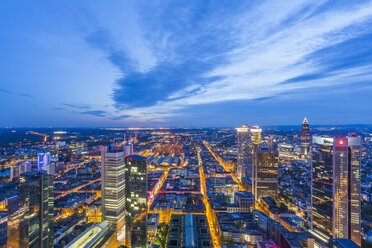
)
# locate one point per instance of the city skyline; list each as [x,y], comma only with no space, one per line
[194,63]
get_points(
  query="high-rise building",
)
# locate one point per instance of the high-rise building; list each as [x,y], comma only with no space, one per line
[245,153]
[113,188]
[43,159]
[285,150]
[37,200]
[256,132]
[265,173]
[336,187]
[136,200]
[128,149]
[305,138]
[19,168]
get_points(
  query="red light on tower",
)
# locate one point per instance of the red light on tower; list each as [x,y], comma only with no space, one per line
[341,142]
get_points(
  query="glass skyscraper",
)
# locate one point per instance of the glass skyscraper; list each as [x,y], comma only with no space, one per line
[37,200]
[265,173]
[336,187]
[245,153]
[136,200]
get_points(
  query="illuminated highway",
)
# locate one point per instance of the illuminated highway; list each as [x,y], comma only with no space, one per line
[227,167]
[211,217]
[76,190]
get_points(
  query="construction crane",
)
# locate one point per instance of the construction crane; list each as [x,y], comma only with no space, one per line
[36,133]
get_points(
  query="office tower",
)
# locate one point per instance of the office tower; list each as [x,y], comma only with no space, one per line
[128,149]
[245,153]
[19,168]
[16,235]
[245,201]
[50,168]
[43,159]
[265,173]
[355,148]
[285,150]
[136,200]
[256,136]
[113,188]
[321,188]
[37,199]
[305,137]
[336,187]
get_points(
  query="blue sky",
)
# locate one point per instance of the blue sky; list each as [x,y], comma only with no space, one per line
[185,63]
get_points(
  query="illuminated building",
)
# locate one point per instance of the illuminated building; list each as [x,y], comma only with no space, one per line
[256,132]
[136,200]
[265,173]
[37,199]
[113,187]
[17,169]
[285,150]
[43,159]
[245,153]
[336,187]
[16,235]
[128,149]
[305,137]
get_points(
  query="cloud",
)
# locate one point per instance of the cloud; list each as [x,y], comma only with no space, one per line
[15,93]
[77,106]
[215,52]
[98,113]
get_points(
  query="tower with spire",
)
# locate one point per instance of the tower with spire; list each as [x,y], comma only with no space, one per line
[305,137]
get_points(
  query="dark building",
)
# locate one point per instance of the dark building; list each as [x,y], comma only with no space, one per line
[37,201]
[305,138]
[265,173]
[342,243]
[189,231]
[336,187]
[136,200]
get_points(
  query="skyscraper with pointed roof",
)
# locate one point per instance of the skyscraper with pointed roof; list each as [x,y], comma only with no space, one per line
[305,137]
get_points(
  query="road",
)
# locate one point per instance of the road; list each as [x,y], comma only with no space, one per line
[227,167]
[63,193]
[211,217]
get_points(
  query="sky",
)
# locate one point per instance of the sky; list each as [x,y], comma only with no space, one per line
[184,63]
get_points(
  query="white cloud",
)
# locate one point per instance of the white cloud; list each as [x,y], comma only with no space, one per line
[267,58]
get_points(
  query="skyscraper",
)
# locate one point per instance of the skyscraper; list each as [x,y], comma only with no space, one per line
[43,159]
[37,199]
[245,153]
[305,137]
[113,188]
[336,187]
[256,136]
[136,200]
[265,173]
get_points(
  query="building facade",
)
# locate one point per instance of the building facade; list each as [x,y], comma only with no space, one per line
[136,200]
[335,189]
[305,138]
[37,202]
[265,173]
[113,188]
[245,153]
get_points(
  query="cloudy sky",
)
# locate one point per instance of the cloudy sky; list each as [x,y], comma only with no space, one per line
[184,63]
